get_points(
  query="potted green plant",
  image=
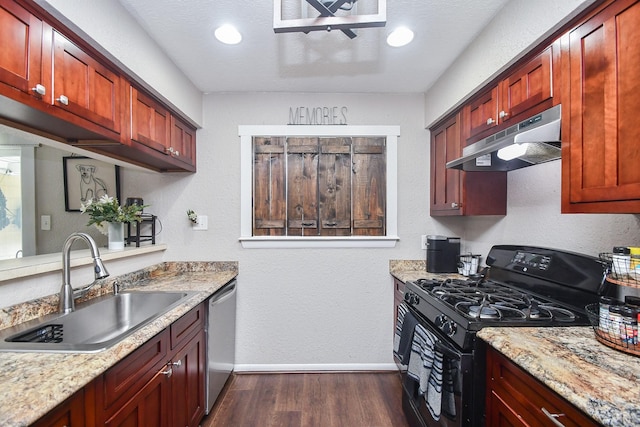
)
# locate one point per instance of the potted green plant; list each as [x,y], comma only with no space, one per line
[109,217]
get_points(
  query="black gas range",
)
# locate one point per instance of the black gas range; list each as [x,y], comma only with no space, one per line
[521,286]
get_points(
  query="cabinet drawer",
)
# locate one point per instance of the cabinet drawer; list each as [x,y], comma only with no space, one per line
[121,381]
[187,325]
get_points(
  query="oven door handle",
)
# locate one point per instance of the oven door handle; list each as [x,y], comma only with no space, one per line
[447,351]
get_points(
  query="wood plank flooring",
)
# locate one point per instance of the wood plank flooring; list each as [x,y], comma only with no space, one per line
[310,400]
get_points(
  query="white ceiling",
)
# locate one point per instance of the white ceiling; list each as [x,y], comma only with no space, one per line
[316,62]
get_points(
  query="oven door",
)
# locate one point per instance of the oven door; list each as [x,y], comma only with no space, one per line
[462,388]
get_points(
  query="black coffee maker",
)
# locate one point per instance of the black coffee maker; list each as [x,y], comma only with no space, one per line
[442,254]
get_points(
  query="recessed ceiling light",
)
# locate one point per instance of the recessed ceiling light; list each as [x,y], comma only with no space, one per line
[228,34]
[400,37]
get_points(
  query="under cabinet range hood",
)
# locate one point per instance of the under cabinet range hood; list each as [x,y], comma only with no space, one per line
[532,141]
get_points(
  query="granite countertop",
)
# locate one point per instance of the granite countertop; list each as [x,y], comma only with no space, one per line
[33,384]
[602,382]
[409,270]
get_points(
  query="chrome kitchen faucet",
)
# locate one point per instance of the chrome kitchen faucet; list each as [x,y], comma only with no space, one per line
[67,293]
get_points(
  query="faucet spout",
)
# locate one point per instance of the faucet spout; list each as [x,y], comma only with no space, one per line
[67,293]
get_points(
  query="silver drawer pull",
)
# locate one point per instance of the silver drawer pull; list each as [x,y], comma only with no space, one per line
[63,100]
[39,89]
[168,372]
[553,417]
[178,363]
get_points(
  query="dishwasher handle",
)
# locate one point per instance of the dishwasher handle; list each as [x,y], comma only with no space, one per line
[223,294]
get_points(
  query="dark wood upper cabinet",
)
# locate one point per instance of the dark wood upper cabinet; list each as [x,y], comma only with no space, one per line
[600,134]
[21,53]
[455,192]
[481,113]
[53,82]
[84,86]
[150,122]
[527,89]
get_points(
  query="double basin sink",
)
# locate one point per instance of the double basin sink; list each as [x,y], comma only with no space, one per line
[93,326]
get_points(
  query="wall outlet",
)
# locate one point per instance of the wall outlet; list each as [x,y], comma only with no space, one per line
[423,241]
[202,224]
[45,222]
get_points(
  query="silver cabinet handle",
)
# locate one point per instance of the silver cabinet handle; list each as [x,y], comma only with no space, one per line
[490,121]
[39,89]
[553,417]
[168,372]
[178,363]
[455,205]
[503,114]
[63,100]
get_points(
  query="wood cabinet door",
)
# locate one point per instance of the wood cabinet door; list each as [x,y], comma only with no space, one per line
[600,162]
[183,143]
[150,122]
[146,408]
[526,88]
[21,52]
[481,113]
[445,183]
[83,86]
[188,383]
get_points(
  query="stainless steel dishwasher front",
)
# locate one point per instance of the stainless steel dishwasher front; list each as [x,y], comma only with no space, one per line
[221,340]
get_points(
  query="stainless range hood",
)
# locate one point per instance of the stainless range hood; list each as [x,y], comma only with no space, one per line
[532,141]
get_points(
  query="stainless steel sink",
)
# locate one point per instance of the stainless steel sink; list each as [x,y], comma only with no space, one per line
[92,327]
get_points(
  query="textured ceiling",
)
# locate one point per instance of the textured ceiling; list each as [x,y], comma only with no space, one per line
[316,62]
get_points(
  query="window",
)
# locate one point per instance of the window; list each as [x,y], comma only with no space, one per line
[319,186]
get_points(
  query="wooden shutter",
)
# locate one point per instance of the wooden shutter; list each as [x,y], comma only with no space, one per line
[369,186]
[334,186]
[269,198]
[302,183]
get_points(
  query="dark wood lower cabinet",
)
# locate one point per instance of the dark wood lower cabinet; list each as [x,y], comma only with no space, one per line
[70,413]
[515,398]
[160,384]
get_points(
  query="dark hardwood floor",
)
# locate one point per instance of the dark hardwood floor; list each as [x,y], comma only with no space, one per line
[371,399]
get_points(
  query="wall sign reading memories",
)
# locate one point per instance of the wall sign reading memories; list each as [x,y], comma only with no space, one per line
[317,115]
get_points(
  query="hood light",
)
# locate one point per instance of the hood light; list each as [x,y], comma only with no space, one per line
[228,34]
[513,151]
[401,36]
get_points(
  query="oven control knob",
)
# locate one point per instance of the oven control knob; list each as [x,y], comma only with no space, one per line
[411,298]
[449,328]
[440,321]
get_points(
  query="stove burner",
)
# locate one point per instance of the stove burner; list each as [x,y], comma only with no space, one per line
[481,300]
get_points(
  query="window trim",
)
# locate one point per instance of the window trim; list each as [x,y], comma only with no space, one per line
[247,132]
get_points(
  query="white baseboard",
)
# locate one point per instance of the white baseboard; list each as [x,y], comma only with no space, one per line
[319,367]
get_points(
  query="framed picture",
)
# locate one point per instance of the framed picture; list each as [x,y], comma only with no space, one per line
[86,178]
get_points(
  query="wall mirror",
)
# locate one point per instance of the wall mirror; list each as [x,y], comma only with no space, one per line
[33,218]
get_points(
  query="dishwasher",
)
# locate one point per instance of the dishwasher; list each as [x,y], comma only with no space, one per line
[221,340]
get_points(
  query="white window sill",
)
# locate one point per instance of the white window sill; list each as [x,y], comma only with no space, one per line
[287,242]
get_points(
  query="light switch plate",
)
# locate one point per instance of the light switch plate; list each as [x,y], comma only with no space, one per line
[45,222]
[202,224]
[423,241]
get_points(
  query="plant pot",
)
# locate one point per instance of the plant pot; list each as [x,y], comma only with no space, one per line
[116,235]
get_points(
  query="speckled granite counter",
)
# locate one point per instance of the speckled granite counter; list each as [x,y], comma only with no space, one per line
[602,382]
[407,270]
[32,384]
